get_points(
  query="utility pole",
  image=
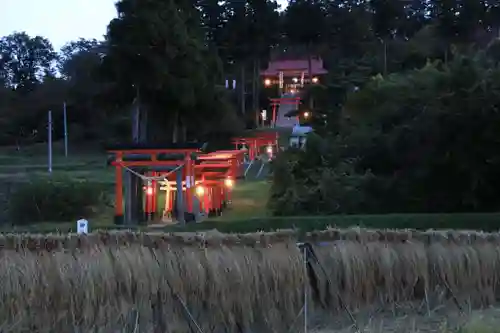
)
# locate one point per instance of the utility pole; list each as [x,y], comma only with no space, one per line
[49,141]
[65,131]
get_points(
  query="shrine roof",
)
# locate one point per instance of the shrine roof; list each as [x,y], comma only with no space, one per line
[297,65]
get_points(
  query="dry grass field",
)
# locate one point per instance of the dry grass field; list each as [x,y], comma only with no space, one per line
[387,281]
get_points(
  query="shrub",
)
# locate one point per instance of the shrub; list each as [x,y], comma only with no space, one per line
[55,200]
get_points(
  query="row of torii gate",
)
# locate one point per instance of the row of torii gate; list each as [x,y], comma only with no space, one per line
[180,183]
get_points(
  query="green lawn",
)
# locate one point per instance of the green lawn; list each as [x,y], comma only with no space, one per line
[480,221]
[249,200]
[32,161]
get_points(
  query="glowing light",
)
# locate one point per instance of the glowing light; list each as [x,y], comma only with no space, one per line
[306,114]
[295,80]
[200,190]
[229,182]
[269,149]
[149,190]
[264,114]
[315,80]
[267,82]
[292,91]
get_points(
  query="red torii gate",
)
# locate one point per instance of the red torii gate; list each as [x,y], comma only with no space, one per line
[129,158]
[276,102]
[218,172]
[177,166]
[256,142]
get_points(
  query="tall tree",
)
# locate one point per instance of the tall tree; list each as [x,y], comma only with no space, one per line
[387,16]
[313,32]
[25,60]
[78,54]
[264,32]
[165,67]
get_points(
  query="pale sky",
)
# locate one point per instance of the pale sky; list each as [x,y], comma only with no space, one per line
[60,21]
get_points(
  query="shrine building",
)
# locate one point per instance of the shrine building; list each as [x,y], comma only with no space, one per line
[292,74]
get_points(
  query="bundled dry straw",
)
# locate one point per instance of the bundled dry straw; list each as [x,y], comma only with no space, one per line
[135,289]
[366,267]
[55,242]
[128,282]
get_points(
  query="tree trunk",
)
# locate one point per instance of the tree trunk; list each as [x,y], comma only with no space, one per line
[242,89]
[385,57]
[309,74]
[143,125]
[175,127]
[132,182]
[257,92]
[183,130]
[254,91]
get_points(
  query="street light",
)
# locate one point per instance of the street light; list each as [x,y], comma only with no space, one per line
[315,80]
[200,190]
[306,114]
[267,82]
[229,182]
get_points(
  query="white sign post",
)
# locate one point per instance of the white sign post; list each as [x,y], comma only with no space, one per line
[82,226]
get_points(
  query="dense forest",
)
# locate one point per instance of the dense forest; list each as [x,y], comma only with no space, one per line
[409,110]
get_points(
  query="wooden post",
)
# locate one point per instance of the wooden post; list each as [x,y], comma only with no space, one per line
[228,191]
[204,200]
[168,203]
[180,199]
[217,199]
[189,185]
[147,199]
[118,191]
[211,200]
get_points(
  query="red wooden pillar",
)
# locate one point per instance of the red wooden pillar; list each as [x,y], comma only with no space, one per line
[149,198]
[222,191]
[171,199]
[229,190]
[203,199]
[168,203]
[118,190]
[206,200]
[211,203]
[216,198]
[154,198]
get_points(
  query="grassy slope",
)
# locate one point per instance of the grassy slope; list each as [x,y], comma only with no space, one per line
[249,200]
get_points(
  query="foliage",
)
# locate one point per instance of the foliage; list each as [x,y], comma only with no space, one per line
[25,60]
[55,200]
[421,141]
[180,53]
